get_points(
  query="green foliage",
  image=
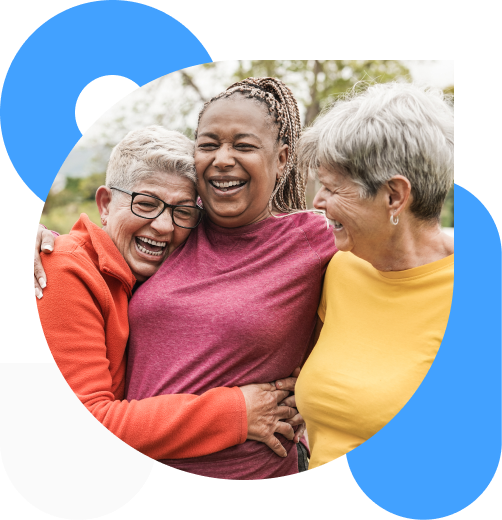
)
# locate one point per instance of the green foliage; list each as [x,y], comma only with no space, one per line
[76,191]
[62,218]
[62,209]
[447,213]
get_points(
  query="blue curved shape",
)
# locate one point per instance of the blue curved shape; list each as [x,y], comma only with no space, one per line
[441,451]
[37,108]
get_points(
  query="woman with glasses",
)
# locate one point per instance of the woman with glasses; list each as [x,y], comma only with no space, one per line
[148,208]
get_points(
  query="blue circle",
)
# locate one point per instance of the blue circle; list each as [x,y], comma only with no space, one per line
[442,449]
[37,108]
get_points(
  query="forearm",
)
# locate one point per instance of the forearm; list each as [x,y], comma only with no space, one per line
[175,426]
[170,426]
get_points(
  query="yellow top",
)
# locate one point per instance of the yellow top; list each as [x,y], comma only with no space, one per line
[381,333]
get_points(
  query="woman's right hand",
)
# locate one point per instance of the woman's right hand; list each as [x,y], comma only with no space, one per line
[265,416]
[45,243]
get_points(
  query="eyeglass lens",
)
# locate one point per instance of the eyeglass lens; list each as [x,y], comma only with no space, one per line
[148,207]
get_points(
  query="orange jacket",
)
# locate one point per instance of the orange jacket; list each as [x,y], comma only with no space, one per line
[84,317]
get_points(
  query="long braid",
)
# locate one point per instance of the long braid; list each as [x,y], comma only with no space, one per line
[289,192]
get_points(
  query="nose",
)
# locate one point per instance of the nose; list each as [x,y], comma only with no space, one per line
[319,201]
[163,225]
[224,157]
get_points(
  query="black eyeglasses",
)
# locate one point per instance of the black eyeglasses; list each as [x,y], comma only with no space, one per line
[150,207]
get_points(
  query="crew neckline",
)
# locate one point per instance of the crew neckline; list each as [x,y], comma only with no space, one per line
[418,271]
[241,230]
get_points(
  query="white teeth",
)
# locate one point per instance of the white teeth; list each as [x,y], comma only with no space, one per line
[228,184]
[153,242]
[153,253]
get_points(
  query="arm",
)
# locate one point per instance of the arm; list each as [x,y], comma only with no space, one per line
[289,383]
[168,426]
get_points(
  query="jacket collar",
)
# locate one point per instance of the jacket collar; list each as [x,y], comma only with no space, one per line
[109,260]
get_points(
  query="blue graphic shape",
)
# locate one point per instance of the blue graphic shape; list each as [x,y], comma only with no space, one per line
[441,451]
[37,107]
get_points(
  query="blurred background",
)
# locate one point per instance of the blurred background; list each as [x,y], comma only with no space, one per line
[174,101]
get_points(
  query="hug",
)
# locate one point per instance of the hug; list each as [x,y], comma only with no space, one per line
[220,300]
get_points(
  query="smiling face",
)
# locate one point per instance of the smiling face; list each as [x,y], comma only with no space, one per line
[143,243]
[360,224]
[238,160]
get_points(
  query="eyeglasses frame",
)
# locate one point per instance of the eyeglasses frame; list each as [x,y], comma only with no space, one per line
[166,205]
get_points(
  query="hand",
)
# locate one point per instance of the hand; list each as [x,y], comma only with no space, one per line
[289,384]
[45,243]
[264,415]
[297,420]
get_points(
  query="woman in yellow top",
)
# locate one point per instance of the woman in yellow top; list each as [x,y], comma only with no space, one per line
[384,158]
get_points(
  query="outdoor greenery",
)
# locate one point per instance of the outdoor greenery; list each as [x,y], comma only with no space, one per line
[62,209]
[175,100]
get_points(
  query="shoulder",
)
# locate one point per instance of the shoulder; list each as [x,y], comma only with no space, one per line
[317,232]
[71,256]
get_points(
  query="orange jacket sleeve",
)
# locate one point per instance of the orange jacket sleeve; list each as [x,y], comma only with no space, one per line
[75,314]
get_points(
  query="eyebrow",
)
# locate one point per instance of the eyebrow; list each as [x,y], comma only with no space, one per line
[236,136]
[181,202]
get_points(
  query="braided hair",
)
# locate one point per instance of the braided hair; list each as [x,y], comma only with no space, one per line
[289,191]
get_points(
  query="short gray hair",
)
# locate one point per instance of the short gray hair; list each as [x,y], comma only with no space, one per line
[388,129]
[149,150]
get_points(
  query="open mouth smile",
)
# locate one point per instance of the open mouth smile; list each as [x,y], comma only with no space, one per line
[150,247]
[337,226]
[227,186]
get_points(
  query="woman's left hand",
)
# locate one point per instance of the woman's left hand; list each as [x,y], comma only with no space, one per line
[289,384]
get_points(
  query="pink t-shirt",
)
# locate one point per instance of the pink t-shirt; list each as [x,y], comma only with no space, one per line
[229,308]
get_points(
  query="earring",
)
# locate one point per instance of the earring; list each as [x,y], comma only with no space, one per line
[394,220]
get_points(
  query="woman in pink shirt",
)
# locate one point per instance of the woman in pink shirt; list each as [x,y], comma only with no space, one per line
[237,302]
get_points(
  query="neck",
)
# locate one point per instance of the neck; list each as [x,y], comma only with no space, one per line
[235,222]
[411,244]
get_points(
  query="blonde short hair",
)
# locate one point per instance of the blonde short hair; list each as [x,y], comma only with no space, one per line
[150,150]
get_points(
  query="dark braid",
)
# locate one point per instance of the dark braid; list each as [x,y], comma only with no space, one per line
[289,192]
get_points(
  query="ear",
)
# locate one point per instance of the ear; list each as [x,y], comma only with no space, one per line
[282,159]
[103,200]
[398,194]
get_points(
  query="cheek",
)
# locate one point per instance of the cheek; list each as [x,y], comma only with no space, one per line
[180,236]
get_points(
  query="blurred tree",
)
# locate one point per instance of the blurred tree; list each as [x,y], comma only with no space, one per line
[316,82]
[76,190]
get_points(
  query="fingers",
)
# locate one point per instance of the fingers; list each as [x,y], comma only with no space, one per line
[299,433]
[47,241]
[280,395]
[38,289]
[285,412]
[296,419]
[285,429]
[274,444]
[287,383]
[296,372]
[289,401]
[40,278]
